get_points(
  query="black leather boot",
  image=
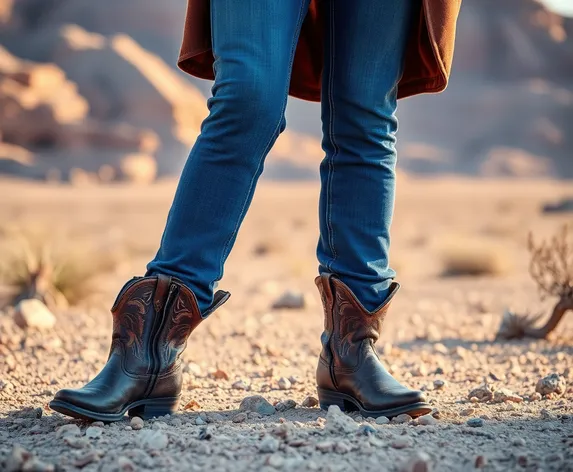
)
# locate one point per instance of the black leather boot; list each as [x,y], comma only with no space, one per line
[152,319]
[349,372]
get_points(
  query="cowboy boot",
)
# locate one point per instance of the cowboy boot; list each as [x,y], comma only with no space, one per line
[349,372]
[152,319]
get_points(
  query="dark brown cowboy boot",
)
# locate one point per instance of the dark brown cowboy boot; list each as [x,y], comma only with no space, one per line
[152,319]
[349,372]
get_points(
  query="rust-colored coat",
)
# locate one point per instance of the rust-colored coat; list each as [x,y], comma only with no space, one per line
[428,56]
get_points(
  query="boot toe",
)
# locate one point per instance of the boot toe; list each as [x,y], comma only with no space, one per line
[401,398]
[77,397]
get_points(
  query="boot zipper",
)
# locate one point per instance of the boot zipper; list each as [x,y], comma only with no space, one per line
[158,326]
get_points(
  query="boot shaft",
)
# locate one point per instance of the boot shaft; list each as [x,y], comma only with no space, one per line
[346,322]
[152,319]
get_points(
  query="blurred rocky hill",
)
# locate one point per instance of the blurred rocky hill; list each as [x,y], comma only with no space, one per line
[509,107]
[89,90]
[79,99]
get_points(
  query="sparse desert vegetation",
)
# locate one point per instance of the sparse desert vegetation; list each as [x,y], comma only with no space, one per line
[38,263]
[551,268]
[474,257]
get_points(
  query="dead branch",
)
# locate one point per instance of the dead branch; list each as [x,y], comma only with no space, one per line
[551,268]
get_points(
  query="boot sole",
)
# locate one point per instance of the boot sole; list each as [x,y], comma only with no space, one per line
[145,409]
[349,403]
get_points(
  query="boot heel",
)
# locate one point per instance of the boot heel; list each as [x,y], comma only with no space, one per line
[155,408]
[328,397]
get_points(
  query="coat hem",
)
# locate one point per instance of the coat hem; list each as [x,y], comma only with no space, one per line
[426,85]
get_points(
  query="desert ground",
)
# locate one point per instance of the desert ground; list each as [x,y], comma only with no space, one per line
[459,247]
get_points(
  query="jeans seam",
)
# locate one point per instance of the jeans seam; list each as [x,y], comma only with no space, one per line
[332,113]
[226,248]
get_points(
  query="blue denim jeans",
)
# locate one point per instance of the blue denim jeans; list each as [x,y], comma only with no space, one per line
[254,43]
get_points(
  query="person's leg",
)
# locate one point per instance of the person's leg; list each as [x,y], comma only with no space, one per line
[364,55]
[153,316]
[254,43]
[365,48]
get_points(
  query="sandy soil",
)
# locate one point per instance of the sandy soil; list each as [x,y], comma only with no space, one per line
[439,337]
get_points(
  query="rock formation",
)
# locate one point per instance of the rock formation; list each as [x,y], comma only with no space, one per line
[508,110]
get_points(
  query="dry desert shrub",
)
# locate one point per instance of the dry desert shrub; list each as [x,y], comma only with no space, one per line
[34,263]
[551,268]
[467,257]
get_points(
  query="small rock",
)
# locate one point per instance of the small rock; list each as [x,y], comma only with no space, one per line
[366,430]
[293,379]
[475,422]
[342,447]
[522,460]
[33,314]
[480,462]
[136,423]
[467,412]
[220,375]
[285,405]
[87,458]
[401,419]
[419,371]
[419,462]
[36,465]
[268,444]
[125,465]
[310,402]
[215,417]
[551,384]
[483,393]
[28,412]
[69,429]
[284,383]
[546,414]
[325,446]
[440,384]
[205,434]
[240,385]
[519,442]
[239,418]
[290,300]
[382,420]
[441,349]
[436,413]
[154,439]
[18,456]
[258,404]
[401,443]
[93,433]
[283,431]
[535,396]
[427,420]
[98,424]
[505,395]
[192,368]
[200,421]
[275,461]
[192,405]
[338,422]
[75,442]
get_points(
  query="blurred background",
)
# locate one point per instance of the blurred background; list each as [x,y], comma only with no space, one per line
[90,91]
